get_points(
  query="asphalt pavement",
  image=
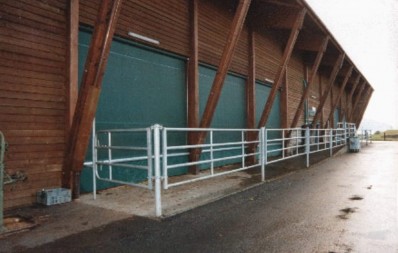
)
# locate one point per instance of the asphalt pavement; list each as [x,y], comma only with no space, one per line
[345,204]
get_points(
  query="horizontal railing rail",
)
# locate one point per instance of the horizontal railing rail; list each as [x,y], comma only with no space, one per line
[164,151]
[236,148]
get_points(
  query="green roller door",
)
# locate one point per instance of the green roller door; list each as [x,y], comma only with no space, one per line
[336,117]
[141,87]
[262,93]
[229,113]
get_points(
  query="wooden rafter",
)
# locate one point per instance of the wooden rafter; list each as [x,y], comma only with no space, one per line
[360,115]
[251,94]
[251,84]
[332,78]
[349,97]
[193,77]
[356,100]
[364,88]
[311,42]
[362,108]
[226,59]
[193,69]
[284,101]
[89,92]
[311,80]
[72,63]
[340,93]
[282,67]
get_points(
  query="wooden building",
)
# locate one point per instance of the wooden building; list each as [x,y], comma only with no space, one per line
[195,63]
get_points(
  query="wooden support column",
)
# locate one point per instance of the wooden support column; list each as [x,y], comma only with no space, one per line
[361,105]
[225,62]
[364,88]
[345,104]
[349,98]
[193,78]
[360,116]
[333,76]
[89,92]
[282,67]
[331,122]
[341,90]
[251,84]
[72,62]
[320,96]
[251,95]
[284,102]
[356,99]
[193,67]
[311,80]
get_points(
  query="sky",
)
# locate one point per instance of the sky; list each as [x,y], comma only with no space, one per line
[368,32]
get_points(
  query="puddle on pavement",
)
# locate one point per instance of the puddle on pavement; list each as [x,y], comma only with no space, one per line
[356,197]
[345,213]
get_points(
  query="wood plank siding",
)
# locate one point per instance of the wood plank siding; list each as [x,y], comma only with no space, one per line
[32,94]
[37,101]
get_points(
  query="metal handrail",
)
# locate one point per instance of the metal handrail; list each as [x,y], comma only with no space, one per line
[270,146]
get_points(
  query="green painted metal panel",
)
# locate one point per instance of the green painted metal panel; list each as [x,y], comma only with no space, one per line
[141,87]
[336,117]
[274,121]
[229,113]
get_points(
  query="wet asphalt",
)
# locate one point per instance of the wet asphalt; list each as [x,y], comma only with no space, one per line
[345,204]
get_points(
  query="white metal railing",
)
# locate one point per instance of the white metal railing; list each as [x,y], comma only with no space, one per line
[160,151]
[231,151]
[282,144]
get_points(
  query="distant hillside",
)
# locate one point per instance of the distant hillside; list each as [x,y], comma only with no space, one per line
[374,125]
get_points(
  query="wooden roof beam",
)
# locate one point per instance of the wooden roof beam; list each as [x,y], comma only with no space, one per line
[341,90]
[332,78]
[193,78]
[310,42]
[282,67]
[313,74]
[225,62]
[347,107]
[363,109]
[89,93]
[280,18]
[357,98]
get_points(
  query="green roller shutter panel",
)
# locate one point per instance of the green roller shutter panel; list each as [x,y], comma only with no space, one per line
[141,87]
[262,93]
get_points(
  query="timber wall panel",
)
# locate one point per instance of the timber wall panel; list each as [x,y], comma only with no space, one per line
[166,21]
[268,55]
[215,19]
[32,94]
[295,75]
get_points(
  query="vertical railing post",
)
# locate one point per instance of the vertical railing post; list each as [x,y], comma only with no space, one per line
[94,158]
[307,145]
[164,159]
[297,140]
[263,152]
[242,139]
[149,157]
[331,141]
[283,143]
[2,152]
[156,145]
[110,154]
[211,153]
